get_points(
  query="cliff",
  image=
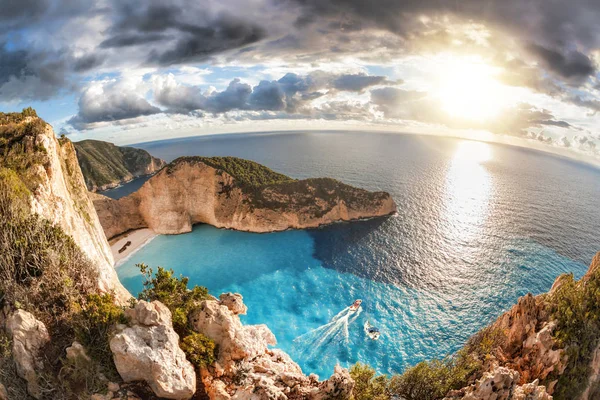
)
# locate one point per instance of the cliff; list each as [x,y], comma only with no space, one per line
[105,165]
[57,192]
[236,194]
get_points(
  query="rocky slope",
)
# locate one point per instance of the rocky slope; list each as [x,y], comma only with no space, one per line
[58,194]
[236,194]
[105,165]
[529,362]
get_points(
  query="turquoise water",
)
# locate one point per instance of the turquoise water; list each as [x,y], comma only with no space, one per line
[471,236]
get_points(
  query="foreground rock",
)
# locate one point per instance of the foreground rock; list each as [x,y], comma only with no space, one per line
[29,336]
[501,383]
[194,190]
[247,368]
[148,350]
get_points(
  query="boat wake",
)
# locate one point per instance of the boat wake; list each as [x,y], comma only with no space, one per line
[333,333]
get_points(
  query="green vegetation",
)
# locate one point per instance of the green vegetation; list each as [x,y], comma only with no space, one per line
[430,380]
[199,349]
[173,292]
[575,306]
[368,386]
[245,172]
[18,150]
[93,326]
[103,163]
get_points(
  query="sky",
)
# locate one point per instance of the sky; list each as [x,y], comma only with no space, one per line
[513,71]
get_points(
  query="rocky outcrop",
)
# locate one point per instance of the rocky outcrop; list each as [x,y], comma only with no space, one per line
[247,368]
[148,350]
[501,383]
[105,165]
[29,336]
[191,191]
[61,197]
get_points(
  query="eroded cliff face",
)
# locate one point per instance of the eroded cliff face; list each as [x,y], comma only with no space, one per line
[529,361]
[186,193]
[61,197]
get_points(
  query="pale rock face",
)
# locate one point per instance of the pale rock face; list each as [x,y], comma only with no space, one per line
[62,199]
[247,369]
[29,336]
[148,350]
[235,303]
[501,383]
[176,198]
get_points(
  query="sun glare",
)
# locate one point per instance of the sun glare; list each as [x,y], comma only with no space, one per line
[473,152]
[468,89]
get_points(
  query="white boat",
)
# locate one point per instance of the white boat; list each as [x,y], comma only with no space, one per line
[371,331]
[356,305]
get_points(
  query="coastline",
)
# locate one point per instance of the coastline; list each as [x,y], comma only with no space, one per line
[138,238]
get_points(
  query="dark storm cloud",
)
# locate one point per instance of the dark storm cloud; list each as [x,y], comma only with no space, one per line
[571,65]
[30,75]
[194,33]
[132,39]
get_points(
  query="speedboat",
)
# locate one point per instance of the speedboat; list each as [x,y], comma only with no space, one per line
[371,331]
[356,305]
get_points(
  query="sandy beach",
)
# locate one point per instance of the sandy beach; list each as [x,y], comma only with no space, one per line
[138,239]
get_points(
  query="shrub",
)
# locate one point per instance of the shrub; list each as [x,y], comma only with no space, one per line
[431,380]
[93,326]
[173,292]
[367,386]
[199,349]
[575,306]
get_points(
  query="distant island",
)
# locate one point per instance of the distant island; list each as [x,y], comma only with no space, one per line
[233,193]
[106,166]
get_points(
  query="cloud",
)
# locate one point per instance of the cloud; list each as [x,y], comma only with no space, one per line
[291,93]
[193,32]
[110,102]
[28,75]
[573,65]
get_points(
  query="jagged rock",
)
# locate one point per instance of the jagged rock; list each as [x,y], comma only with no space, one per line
[77,352]
[247,368]
[29,335]
[148,350]
[233,301]
[501,383]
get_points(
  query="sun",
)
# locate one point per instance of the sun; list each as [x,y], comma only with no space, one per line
[468,89]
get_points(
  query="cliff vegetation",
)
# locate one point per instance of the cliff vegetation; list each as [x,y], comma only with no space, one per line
[105,165]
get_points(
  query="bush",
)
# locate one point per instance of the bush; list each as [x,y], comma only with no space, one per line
[367,386]
[93,326]
[199,349]
[575,306]
[173,292]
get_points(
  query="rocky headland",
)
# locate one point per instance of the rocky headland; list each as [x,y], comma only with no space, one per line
[232,193]
[106,166]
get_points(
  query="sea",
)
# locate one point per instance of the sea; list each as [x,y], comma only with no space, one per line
[478,226]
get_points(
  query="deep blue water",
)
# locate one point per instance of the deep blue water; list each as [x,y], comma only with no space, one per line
[478,225]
